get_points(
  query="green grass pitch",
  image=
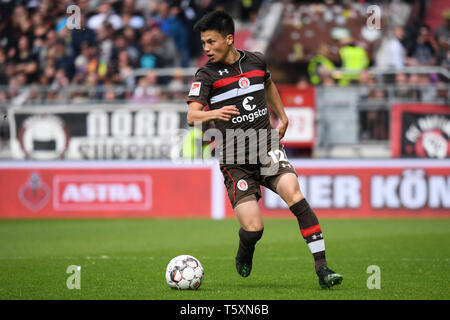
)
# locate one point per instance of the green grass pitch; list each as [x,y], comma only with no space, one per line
[126,259]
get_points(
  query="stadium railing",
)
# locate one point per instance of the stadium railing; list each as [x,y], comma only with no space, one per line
[444,73]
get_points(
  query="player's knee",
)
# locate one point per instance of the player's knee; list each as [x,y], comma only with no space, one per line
[253,226]
[293,198]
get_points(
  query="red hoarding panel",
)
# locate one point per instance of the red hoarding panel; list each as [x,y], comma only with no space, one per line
[295,97]
[344,188]
[300,109]
[98,192]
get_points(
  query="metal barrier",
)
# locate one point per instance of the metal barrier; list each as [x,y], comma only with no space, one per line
[354,121]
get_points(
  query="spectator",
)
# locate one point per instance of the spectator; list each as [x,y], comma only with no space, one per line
[146,90]
[445,62]
[401,82]
[109,92]
[392,53]
[149,59]
[131,16]
[327,80]
[105,39]
[152,45]
[3,76]
[428,91]
[48,75]
[25,61]
[366,84]
[375,92]
[63,60]
[354,58]
[47,51]
[424,50]
[177,85]
[127,40]
[40,28]
[320,64]
[302,83]
[125,68]
[414,91]
[171,24]
[21,23]
[442,37]
[93,87]
[164,47]
[82,35]
[60,81]
[105,12]
[81,63]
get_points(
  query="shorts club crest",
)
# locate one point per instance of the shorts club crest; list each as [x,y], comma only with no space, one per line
[242,185]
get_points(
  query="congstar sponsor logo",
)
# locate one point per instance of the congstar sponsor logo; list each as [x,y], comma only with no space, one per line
[250,117]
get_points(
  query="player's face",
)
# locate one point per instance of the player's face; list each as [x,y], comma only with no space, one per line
[215,45]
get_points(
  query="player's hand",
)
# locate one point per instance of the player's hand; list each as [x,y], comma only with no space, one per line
[281,128]
[225,113]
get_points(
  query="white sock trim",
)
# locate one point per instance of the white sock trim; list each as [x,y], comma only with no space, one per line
[317,246]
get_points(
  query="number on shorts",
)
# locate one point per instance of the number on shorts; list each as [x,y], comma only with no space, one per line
[278,155]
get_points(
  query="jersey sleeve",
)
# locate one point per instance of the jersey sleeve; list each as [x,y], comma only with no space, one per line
[262,59]
[200,88]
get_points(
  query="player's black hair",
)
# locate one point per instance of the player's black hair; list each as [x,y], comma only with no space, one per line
[219,21]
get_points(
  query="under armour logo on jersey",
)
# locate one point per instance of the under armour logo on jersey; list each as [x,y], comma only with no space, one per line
[221,72]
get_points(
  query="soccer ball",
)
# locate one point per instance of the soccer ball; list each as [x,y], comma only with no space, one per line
[184,272]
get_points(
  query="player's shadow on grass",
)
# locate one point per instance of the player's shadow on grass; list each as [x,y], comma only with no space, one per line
[269,285]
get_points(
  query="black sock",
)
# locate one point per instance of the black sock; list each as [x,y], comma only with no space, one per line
[247,241]
[311,232]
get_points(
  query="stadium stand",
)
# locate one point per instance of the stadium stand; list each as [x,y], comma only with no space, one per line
[146,51]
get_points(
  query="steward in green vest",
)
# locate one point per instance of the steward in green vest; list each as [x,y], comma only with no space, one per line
[194,147]
[320,63]
[354,59]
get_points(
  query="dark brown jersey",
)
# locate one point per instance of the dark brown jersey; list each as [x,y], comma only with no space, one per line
[240,84]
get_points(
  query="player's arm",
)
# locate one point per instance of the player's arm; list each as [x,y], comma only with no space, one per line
[197,114]
[274,100]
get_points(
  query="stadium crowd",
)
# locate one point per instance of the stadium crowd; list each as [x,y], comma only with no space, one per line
[39,48]
[40,44]
[400,46]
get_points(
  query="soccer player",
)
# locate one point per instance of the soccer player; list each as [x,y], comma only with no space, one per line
[237,87]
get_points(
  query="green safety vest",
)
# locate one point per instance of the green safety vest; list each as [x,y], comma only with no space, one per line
[317,60]
[193,138]
[353,58]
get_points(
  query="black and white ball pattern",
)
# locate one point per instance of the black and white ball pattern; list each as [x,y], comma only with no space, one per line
[184,272]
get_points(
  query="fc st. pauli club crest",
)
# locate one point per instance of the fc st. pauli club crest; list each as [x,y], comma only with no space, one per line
[34,194]
[244,83]
[242,185]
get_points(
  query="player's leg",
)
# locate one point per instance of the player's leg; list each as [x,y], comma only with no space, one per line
[288,189]
[252,228]
[286,185]
[248,214]
[244,192]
